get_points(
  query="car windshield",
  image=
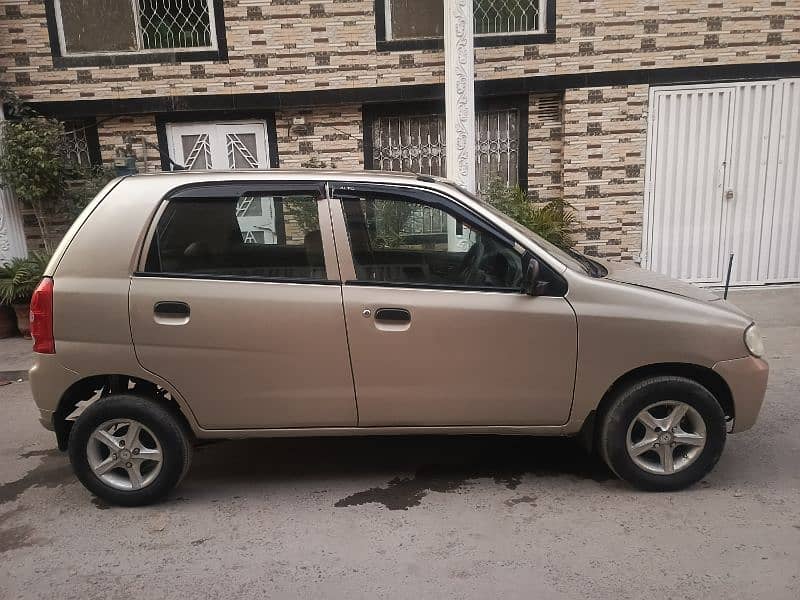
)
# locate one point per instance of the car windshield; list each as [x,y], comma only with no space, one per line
[570,258]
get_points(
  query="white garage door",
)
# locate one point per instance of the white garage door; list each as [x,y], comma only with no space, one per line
[723,177]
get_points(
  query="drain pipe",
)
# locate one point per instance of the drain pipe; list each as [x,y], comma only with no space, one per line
[728,276]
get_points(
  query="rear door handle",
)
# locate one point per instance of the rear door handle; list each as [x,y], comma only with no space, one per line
[171,308]
[395,315]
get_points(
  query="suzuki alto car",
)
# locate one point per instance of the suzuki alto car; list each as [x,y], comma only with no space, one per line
[190,306]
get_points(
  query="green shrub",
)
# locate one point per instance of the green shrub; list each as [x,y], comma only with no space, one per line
[20,276]
[552,220]
[31,164]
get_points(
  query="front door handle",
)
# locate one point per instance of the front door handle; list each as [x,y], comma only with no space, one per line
[171,308]
[395,315]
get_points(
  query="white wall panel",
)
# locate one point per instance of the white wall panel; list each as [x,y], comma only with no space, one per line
[782,246]
[689,139]
[754,136]
[723,176]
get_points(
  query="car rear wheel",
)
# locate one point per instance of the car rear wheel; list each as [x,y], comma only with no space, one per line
[129,450]
[664,433]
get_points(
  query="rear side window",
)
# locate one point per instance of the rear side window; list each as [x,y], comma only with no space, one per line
[264,236]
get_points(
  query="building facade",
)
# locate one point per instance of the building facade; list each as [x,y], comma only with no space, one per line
[638,114]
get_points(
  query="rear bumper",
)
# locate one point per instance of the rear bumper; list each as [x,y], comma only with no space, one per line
[49,380]
[747,380]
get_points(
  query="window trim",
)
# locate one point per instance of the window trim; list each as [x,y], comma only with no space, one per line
[384,44]
[61,59]
[214,189]
[371,112]
[427,197]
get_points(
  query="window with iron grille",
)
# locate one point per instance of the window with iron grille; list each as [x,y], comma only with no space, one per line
[92,27]
[80,145]
[417,143]
[424,19]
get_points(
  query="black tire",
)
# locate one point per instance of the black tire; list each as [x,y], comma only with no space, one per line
[165,427]
[613,433]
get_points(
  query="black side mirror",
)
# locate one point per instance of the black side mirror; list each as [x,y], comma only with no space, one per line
[531,277]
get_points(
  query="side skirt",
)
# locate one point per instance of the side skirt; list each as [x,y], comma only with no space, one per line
[556,430]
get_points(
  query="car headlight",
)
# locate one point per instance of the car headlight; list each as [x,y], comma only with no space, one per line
[754,341]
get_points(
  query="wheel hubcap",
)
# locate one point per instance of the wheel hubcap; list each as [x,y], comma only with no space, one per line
[124,454]
[666,437]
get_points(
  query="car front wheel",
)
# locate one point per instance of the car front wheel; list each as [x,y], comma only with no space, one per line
[129,450]
[664,433]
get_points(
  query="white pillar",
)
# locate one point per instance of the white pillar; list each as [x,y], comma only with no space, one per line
[459,92]
[459,99]
[12,235]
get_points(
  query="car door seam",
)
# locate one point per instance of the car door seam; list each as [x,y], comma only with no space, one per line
[341,298]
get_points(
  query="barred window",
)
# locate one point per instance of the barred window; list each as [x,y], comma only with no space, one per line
[419,19]
[417,143]
[117,26]
[79,145]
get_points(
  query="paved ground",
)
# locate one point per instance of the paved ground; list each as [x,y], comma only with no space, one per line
[416,518]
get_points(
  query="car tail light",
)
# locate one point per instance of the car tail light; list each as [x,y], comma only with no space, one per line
[42,318]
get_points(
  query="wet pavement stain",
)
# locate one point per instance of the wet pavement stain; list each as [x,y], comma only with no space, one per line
[503,464]
[52,472]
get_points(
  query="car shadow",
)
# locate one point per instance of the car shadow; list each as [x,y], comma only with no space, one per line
[411,465]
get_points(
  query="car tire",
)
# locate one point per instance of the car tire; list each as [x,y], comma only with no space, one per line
[129,450]
[664,433]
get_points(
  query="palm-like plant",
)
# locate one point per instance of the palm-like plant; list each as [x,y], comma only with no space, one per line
[20,276]
[552,220]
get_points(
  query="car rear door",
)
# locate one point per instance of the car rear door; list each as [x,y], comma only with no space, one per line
[238,305]
[440,333]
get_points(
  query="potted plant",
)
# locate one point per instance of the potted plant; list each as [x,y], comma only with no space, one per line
[18,279]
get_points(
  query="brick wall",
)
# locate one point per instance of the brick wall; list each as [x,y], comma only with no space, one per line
[605,134]
[126,135]
[331,135]
[545,146]
[318,44]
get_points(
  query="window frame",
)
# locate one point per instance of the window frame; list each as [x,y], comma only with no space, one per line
[434,199]
[384,43]
[230,189]
[372,112]
[218,51]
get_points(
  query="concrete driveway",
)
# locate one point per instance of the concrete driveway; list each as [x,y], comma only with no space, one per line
[417,517]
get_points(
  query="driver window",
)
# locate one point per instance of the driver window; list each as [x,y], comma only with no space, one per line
[397,240]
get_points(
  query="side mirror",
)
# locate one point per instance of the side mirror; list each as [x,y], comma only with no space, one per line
[531,277]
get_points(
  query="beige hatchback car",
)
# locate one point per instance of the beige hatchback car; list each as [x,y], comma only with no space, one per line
[190,306]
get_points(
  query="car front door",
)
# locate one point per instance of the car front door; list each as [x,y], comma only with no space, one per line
[238,305]
[439,332]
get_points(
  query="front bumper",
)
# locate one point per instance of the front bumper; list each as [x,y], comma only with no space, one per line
[747,380]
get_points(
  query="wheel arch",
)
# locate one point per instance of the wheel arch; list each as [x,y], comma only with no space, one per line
[98,386]
[705,376]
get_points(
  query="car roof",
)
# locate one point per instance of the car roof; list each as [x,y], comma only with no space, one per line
[297,174]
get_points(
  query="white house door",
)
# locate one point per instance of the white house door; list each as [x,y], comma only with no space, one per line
[227,146]
[722,179]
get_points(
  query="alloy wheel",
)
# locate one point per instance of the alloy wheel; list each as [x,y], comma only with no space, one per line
[124,454]
[666,437]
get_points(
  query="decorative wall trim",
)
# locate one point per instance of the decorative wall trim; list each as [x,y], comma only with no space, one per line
[459,92]
[138,58]
[12,232]
[404,93]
